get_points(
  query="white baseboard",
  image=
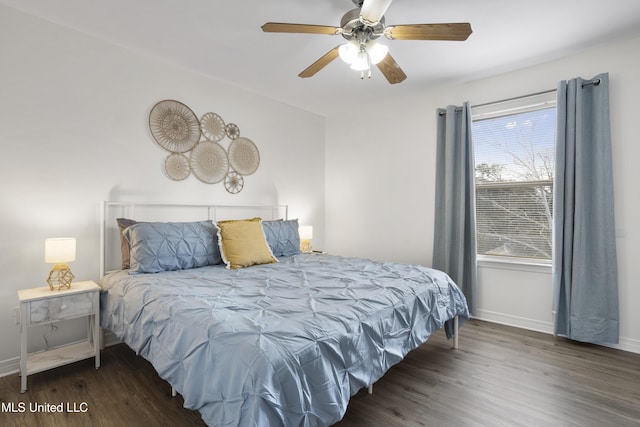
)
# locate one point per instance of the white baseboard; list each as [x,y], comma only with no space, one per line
[9,366]
[626,344]
[516,321]
[109,339]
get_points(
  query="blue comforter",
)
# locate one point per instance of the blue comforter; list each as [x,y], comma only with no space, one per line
[278,344]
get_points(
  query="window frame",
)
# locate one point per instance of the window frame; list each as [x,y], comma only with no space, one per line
[511,106]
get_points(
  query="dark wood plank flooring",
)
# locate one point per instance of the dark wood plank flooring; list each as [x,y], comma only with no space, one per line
[500,376]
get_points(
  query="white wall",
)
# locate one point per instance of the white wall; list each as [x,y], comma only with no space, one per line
[381,181]
[74,131]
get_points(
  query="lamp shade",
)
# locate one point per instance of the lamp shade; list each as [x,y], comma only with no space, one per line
[59,250]
[349,51]
[376,51]
[306,232]
[361,62]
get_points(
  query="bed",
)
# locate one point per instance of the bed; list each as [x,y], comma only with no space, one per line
[281,342]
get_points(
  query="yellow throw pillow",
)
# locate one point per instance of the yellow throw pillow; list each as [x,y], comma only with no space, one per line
[243,243]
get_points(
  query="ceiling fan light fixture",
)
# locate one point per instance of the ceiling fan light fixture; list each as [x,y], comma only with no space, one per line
[376,51]
[362,62]
[349,51]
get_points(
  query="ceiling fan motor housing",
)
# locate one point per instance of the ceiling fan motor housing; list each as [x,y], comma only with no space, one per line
[354,28]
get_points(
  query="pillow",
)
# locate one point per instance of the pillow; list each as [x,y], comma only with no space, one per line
[282,236]
[166,246]
[243,243]
[124,243]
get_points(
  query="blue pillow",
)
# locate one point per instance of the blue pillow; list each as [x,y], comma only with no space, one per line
[282,236]
[166,246]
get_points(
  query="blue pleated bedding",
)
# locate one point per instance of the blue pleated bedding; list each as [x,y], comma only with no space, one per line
[278,344]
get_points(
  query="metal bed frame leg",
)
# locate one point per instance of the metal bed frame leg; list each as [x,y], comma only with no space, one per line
[456,326]
[174,393]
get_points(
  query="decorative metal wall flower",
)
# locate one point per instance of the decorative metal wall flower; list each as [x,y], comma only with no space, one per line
[212,127]
[244,156]
[233,182]
[176,128]
[177,167]
[233,131]
[209,162]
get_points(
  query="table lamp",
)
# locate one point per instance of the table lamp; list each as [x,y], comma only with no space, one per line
[60,251]
[306,234]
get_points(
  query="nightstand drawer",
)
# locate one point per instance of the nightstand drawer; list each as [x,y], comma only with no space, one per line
[63,307]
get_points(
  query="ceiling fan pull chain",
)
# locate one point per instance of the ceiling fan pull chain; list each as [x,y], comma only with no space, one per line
[362,74]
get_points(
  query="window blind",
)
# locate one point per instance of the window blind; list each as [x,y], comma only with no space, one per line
[514,162]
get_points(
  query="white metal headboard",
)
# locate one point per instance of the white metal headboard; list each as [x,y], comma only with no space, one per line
[110,258]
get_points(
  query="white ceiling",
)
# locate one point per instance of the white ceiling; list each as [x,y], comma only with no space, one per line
[223,39]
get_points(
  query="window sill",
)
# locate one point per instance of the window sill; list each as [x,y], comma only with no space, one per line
[512,263]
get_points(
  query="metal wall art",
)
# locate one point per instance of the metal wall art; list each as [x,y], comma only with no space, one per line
[176,128]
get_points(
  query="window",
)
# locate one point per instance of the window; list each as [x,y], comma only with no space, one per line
[514,144]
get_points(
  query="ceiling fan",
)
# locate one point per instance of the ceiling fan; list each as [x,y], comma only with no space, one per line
[361,27]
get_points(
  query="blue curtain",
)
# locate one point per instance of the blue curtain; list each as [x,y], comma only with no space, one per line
[585,274]
[454,245]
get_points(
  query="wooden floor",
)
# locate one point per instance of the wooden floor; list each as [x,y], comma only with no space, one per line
[500,376]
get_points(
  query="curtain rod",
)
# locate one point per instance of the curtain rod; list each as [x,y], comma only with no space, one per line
[513,98]
[594,82]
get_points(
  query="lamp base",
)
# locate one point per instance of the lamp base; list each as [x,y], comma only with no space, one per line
[305,245]
[60,277]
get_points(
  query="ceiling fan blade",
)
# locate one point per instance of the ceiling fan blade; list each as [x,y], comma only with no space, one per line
[455,31]
[372,11]
[391,70]
[279,27]
[320,63]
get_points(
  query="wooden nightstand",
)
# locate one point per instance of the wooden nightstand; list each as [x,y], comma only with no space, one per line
[41,306]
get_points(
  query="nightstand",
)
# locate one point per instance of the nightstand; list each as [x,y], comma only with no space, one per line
[42,306]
